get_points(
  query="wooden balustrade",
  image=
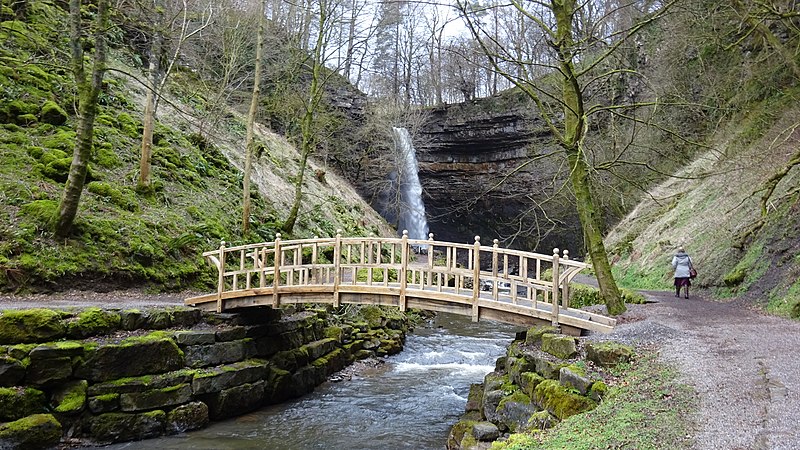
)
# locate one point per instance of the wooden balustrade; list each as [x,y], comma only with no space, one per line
[445,276]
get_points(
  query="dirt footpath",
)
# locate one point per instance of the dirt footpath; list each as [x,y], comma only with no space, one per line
[742,364]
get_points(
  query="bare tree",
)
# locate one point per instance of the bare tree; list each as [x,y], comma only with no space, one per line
[251,119]
[578,60]
[172,20]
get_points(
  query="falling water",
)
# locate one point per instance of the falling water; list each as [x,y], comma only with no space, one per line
[412,209]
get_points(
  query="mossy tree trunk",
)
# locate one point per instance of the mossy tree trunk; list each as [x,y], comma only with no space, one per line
[564,90]
[251,119]
[88,88]
[575,125]
[307,128]
[149,118]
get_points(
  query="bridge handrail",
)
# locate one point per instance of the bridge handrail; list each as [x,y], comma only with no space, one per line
[419,265]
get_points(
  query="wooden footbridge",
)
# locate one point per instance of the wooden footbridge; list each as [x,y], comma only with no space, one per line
[484,282]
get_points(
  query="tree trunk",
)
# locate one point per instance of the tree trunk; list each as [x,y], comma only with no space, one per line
[148,121]
[307,124]
[571,139]
[251,119]
[88,91]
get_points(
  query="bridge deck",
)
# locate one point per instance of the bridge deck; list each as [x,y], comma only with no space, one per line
[385,271]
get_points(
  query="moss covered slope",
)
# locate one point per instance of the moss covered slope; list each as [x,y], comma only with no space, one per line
[121,237]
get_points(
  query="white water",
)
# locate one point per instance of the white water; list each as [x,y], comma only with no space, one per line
[412,209]
[409,402]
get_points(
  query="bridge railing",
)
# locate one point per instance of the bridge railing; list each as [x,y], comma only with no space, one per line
[473,271]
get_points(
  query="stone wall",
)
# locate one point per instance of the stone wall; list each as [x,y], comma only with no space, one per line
[110,375]
[544,378]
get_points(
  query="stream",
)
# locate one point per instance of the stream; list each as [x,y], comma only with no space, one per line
[409,401]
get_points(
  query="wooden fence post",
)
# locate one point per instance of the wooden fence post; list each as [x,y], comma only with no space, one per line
[276,274]
[476,277]
[495,245]
[565,287]
[403,273]
[337,275]
[221,278]
[430,261]
[555,288]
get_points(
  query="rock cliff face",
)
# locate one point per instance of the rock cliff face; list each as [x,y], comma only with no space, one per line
[489,168]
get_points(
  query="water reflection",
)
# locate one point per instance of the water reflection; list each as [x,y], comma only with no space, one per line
[411,401]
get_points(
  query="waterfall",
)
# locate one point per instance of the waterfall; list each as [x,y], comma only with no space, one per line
[411,208]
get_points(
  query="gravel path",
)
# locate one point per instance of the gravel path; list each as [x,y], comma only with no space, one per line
[741,363]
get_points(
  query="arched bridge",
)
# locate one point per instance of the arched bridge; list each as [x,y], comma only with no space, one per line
[484,282]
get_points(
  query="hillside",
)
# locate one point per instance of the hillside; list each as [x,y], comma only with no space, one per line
[712,206]
[122,237]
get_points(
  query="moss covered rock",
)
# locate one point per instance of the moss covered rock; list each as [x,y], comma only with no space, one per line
[608,354]
[223,377]
[560,401]
[121,427]
[53,114]
[515,411]
[534,334]
[11,371]
[92,322]
[16,403]
[563,347]
[30,325]
[156,398]
[188,417]
[69,398]
[34,432]
[154,353]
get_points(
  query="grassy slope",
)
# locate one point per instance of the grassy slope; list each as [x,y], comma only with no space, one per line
[121,237]
[710,204]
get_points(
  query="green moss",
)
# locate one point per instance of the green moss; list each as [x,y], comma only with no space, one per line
[562,403]
[30,325]
[125,198]
[73,398]
[16,403]
[41,213]
[128,125]
[53,114]
[63,140]
[94,321]
[32,432]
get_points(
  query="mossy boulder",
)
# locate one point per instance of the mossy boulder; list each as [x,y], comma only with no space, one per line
[219,353]
[188,417]
[575,378]
[153,353]
[534,334]
[121,427]
[53,114]
[33,432]
[518,366]
[234,401]
[514,411]
[560,401]
[474,398]
[528,382]
[11,371]
[223,377]
[92,322]
[563,347]
[598,391]
[41,372]
[155,398]
[608,354]
[541,420]
[460,436]
[16,403]
[69,398]
[30,325]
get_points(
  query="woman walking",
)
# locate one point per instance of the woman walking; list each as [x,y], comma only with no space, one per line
[682,264]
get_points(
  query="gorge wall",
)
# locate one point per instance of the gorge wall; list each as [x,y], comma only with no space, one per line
[489,167]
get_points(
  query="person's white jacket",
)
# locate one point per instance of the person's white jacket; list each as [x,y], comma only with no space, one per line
[681,263]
